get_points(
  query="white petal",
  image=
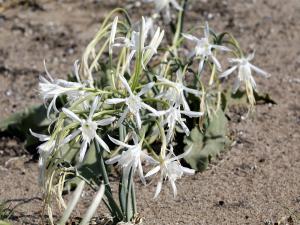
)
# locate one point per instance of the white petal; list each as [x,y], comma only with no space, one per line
[173,187]
[193,91]
[94,107]
[54,104]
[113,160]
[49,108]
[186,153]
[170,133]
[125,84]
[106,121]
[71,115]
[138,120]
[188,170]
[206,30]
[146,88]
[48,74]
[158,113]
[184,102]
[190,37]
[117,142]
[259,71]
[176,5]
[123,116]
[115,101]
[153,171]
[102,143]
[158,188]
[216,62]
[41,137]
[221,48]
[70,137]
[192,113]
[83,149]
[228,72]
[148,158]
[201,65]
[144,105]
[184,127]
[234,60]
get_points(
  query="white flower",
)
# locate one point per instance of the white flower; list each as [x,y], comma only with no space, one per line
[53,88]
[171,169]
[88,129]
[113,34]
[137,42]
[244,72]
[44,150]
[131,158]
[175,94]
[149,25]
[151,49]
[134,102]
[165,5]
[173,116]
[204,48]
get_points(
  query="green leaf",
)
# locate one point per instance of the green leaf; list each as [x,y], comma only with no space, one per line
[208,143]
[240,98]
[89,168]
[263,98]
[18,124]
[2,222]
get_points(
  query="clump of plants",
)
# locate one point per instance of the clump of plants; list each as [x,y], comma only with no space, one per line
[143,103]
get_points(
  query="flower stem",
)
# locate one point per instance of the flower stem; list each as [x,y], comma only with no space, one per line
[108,193]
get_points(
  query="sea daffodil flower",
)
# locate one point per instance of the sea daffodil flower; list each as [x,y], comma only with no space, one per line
[204,48]
[244,71]
[244,75]
[130,158]
[88,129]
[134,102]
[161,5]
[53,88]
[44,149]
[175,94]
[170,169]
[136,43]
[172,116]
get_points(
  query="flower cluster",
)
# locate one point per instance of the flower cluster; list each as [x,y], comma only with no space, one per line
[90,110]
[134,101]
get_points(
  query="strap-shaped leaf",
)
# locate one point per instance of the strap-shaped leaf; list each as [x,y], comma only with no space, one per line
[208,143]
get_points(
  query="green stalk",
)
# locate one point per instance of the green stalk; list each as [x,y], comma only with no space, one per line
[139,60]
[122,183]
[108,193]
[137,71]
[179,26]
[129,207]
[133,198]
[122,194]
[163,140]
[176,37]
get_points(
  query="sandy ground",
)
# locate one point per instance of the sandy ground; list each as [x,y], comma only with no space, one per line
[256,182]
